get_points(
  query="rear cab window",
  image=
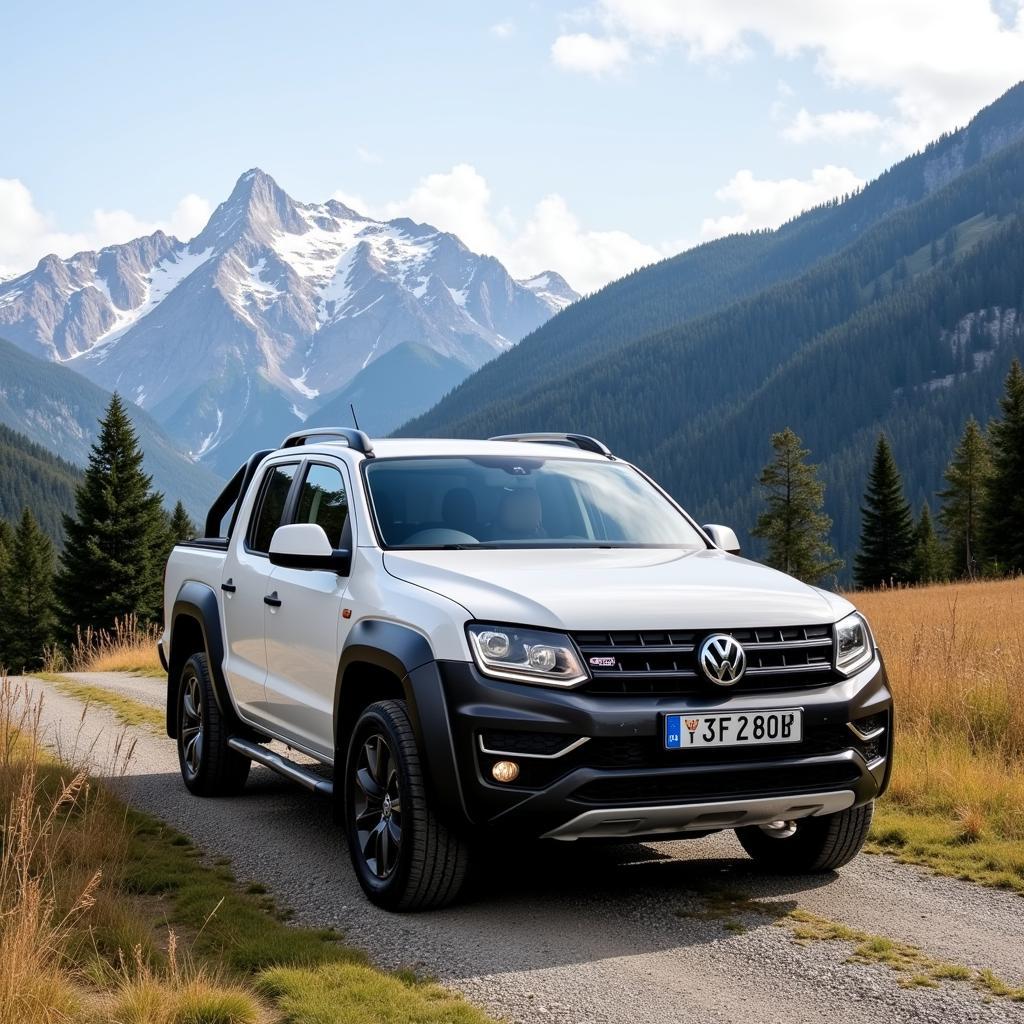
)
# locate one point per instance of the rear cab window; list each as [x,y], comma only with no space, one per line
[271,505]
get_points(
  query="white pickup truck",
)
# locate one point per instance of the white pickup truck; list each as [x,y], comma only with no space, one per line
[522,636]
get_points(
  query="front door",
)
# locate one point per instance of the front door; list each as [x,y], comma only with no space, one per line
[304,626]
[244,584]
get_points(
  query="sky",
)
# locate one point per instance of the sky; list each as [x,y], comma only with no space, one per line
[588,138]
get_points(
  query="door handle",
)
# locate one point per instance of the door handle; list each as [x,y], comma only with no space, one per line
[272,599]
[228,586]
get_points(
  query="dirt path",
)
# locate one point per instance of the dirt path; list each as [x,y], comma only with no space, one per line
[590,934]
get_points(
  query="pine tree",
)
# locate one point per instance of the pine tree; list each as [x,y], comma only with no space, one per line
[929,562]
[5,538]
[181,526]
[792,523]
[178,526]
[1004,505]
[111,565]
[26,595]
[963,501]
[887,526]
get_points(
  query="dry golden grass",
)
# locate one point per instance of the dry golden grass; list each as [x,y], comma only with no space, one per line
[129,647]
[94,895]
[74,949]
[955,656]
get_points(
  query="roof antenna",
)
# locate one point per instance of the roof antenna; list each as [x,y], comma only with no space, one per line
[354,420]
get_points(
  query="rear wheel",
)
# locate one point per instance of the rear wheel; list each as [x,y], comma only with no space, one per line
[208,765]
[808,845]
[404,857]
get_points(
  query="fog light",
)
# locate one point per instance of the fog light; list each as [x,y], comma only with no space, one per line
[505,771]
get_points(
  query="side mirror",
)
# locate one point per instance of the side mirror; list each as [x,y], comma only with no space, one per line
[305,546]
[723,537]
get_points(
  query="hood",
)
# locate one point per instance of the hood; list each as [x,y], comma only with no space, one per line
[616,588]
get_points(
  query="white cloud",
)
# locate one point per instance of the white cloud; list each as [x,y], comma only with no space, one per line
[27,234]
[459,202]
[503,29]
[832,125]
[551,237]
[767,203]
[583,52]
[367,156]
[939,60]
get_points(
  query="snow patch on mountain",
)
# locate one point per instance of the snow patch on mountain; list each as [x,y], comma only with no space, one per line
[158,284]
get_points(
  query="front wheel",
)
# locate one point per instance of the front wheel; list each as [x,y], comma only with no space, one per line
[404,858]
[808,845]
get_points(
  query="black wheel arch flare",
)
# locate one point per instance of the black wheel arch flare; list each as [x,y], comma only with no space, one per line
[407,656]
[196,608]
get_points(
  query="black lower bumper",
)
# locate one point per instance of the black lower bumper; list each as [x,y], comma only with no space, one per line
[582,754]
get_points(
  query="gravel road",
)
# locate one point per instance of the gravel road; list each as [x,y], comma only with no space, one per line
[592,934]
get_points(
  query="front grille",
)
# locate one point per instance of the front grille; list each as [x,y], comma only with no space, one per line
[664,662]
[755,780]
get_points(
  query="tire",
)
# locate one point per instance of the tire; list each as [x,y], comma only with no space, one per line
[815,845]
[404,858]
[208,765]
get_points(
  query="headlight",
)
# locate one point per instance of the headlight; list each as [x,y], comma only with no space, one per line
[854,646]
[526,655]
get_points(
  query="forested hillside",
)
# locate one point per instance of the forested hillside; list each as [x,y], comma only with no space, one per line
[403,382]
[59,409]
[909,328]
[35,478]
[715,275]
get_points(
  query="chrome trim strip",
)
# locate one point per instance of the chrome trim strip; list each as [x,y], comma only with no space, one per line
[781,670]
[514,754]
[713,816]
[865,737]
[787,645]
[597,649]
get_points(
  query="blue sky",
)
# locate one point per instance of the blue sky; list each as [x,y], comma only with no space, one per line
[584,137]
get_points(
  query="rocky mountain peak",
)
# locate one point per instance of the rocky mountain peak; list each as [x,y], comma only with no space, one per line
[256,209]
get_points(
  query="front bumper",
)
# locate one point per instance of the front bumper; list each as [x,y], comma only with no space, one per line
[605,771]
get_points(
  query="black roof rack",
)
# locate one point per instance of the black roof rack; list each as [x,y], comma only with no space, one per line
[356,439]
[581,441]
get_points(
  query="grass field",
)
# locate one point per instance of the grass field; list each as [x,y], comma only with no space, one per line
[107,915]
[955,656]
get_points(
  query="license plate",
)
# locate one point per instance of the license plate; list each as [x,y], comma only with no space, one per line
[733,729]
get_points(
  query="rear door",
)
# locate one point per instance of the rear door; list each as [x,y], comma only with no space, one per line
[305,630]
[244,585]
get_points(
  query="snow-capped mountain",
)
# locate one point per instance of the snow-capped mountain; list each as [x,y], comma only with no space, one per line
[552,288]
[272,309]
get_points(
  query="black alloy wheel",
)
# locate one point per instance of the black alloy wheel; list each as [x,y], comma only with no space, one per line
[378,806]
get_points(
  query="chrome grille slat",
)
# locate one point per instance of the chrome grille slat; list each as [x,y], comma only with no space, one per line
[783,645]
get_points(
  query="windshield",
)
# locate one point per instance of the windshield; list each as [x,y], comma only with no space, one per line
[503,502]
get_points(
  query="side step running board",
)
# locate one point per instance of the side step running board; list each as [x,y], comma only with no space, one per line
[289,769]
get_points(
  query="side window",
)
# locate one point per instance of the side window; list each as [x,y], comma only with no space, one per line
[270,510]
[323,500]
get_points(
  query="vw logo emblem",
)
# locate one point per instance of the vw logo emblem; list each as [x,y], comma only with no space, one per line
[722,659]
